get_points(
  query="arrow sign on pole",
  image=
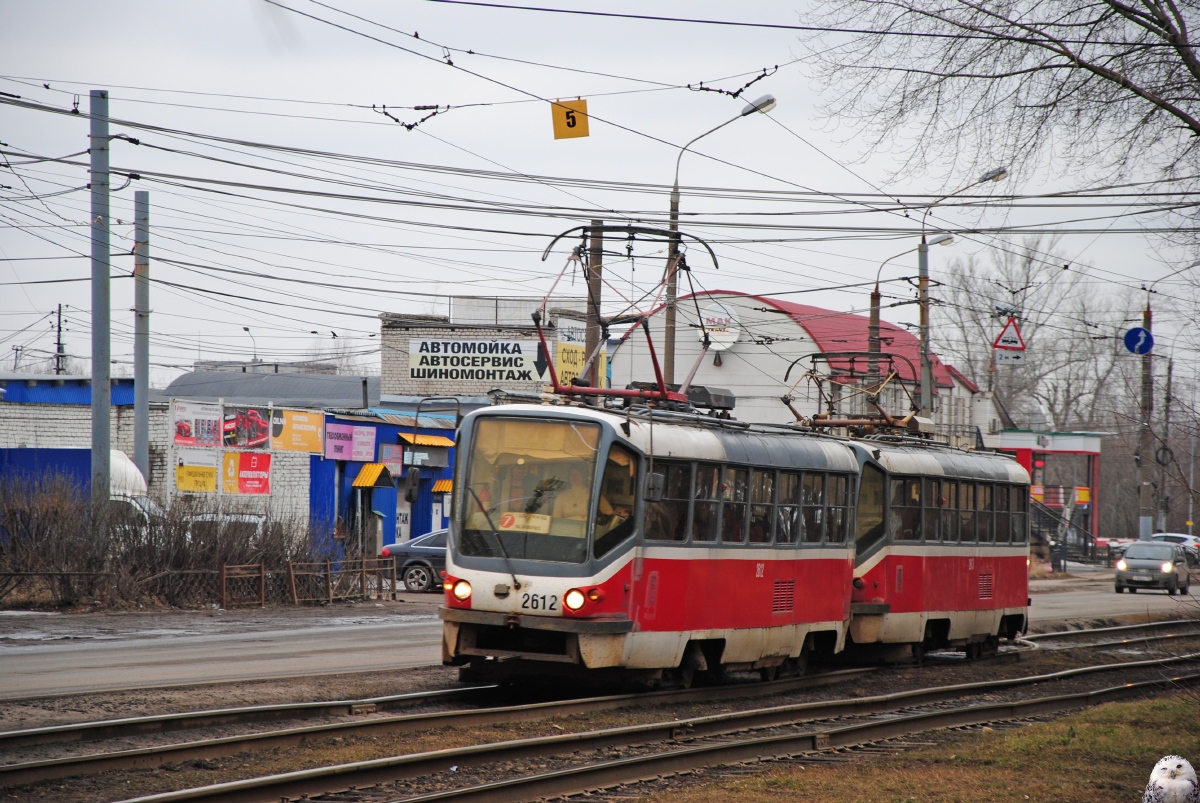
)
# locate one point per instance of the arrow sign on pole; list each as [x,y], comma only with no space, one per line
[1010,337]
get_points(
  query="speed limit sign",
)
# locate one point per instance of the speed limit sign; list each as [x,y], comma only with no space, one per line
[570,118]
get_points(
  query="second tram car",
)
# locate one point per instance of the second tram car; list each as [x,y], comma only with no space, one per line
[666,544]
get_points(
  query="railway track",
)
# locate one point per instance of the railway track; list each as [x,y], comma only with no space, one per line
[1160,631]
[721,726]
[31,772]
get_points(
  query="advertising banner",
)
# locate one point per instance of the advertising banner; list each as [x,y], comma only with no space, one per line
[392,455]
[196,471]
[247,427]
[297,431]
[346,442]
[246,473]
[571,354]
[196,424]
[476,360]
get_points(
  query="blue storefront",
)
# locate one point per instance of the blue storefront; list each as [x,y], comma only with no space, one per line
[357,487]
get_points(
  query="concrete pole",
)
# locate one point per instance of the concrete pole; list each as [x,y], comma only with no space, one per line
[672,286]
[873,338]
[101,304]
[926,362]
[594,272]
[1145,446]
[1191,520]
[1162,464]
[141,333]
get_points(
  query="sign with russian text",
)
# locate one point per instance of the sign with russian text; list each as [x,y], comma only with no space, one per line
[297,431]
[476,361]
[722,326]
[246,473]
[196,424]
[570,118]
[347,442]
[196,471]
[571,354]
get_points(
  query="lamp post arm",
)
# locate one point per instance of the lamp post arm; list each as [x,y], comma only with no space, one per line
[684,149]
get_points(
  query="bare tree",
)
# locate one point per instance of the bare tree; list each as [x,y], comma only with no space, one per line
[1112,86]
[1074,373]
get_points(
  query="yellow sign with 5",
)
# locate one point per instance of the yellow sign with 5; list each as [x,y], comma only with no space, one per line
[570,118]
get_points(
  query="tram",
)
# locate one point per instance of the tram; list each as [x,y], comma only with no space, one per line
[662,544]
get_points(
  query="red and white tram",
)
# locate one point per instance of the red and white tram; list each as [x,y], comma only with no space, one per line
[660,543]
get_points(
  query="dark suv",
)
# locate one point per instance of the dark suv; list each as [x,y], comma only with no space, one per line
[1153,564]
[420,561]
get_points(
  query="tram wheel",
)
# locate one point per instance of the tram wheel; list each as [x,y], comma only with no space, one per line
[768,673]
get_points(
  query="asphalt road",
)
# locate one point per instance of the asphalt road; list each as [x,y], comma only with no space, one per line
[59,656]
[49,654]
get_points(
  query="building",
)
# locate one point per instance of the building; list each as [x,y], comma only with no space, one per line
[762,348]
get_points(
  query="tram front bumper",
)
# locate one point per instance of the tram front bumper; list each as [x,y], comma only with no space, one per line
[468,635]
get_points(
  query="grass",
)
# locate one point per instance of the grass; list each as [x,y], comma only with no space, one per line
[1104,754]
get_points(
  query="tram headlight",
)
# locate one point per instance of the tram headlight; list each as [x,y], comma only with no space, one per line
[1122,565]
[1168,567]
[574,599]
[461,590]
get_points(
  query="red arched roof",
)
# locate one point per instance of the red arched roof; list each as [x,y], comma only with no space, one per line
[844,331]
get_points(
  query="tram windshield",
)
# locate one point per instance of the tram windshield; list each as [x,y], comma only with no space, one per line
[528,489]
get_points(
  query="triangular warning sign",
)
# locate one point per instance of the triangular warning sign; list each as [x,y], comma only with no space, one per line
[1010,337]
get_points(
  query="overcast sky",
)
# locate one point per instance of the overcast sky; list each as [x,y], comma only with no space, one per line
[479,194]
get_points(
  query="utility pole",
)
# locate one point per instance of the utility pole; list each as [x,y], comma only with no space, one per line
[1192,466]
[669,313]
[60,355]
[99,143]
[923,295]
[1165,453]
[1144,447]
[141,333]
[595,268]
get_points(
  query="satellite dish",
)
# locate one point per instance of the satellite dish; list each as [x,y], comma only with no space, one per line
[722,326]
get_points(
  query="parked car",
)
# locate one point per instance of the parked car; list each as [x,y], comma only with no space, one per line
[420,561]
[1190,544]
[1153,564]
[246,528]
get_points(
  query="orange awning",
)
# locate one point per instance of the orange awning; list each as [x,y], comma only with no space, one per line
[373,475]
[443,486]
[426,440]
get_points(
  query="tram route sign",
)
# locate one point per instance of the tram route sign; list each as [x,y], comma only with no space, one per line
[1139,340]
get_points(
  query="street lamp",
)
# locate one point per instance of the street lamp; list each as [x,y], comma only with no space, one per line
[253,343]
[997,174]
[764,105]
[873,328]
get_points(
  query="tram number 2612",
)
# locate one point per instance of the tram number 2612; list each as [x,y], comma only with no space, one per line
[539,602]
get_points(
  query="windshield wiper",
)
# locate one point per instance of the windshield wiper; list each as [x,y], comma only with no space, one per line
[496,535]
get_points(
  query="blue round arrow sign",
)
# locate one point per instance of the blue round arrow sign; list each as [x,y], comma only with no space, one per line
[1139,340]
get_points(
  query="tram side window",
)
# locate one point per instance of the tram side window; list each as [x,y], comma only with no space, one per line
[618,492]
[838,524]
[735,494]
[966,512]
[1020,508]
[707,505]
[869,528]
[789,523]
[667,520]
[1003,528]
[983,513]
[949,511]
[814,508]
[933,510]
[906,509]
[762,506]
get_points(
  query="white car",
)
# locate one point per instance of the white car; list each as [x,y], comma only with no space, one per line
[1190,544]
